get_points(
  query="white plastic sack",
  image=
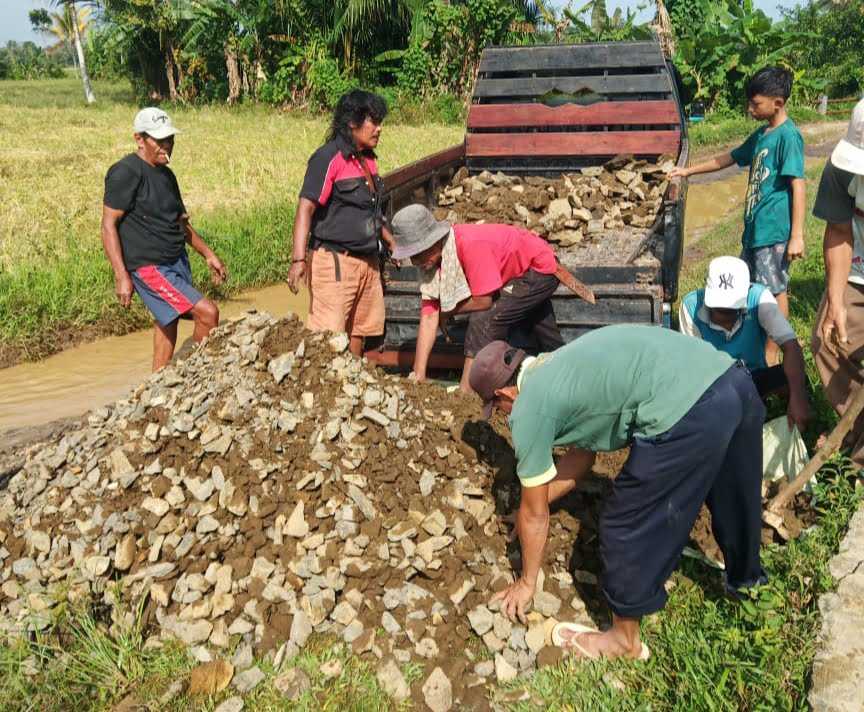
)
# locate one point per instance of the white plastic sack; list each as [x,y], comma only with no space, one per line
[784,453]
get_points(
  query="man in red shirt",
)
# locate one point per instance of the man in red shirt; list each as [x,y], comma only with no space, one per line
[503,276]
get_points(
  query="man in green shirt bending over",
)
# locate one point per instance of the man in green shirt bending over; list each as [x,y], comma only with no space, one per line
[693,421]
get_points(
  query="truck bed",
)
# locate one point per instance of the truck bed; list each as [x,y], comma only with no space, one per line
[544,112]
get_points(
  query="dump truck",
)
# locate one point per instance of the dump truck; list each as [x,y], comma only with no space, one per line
[546,112]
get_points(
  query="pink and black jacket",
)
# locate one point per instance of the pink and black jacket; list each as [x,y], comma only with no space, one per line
[349,216]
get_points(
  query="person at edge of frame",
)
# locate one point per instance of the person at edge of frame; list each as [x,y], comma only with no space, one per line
[837,342]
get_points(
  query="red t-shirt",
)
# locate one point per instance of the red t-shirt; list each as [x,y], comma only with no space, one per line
[493,255]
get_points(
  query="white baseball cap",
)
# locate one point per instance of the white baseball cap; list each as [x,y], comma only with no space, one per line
[154,122]
[848,154]
[728,283]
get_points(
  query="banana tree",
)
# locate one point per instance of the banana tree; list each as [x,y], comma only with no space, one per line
[718,55]
[602,27]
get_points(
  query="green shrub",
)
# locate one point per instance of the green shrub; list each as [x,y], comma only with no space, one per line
[26,60]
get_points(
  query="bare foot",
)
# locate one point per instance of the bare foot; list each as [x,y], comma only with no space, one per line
[600,645]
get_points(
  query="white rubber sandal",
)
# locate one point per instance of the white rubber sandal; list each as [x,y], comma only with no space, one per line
[571,643]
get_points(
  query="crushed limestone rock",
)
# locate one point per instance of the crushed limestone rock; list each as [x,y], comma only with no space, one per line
[250,506]
[592,216]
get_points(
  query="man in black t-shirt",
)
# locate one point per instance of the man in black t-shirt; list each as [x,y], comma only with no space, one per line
[145,229]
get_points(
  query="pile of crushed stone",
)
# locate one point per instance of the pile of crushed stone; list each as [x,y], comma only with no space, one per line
[618,202]
[270,486]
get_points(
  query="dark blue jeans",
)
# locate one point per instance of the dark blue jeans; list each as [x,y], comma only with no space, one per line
[712,455]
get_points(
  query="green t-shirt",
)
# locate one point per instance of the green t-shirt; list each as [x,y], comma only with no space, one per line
[775,158]
[605,388]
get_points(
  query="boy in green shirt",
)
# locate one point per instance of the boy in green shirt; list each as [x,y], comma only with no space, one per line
[775,203]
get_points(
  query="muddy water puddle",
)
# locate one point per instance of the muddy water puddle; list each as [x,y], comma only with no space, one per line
[710,200]
[87,376]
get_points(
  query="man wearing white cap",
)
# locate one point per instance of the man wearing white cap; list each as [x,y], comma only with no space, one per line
[838,333]
[145,229]
[738,316]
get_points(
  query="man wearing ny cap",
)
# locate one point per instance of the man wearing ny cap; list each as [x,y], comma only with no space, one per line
[738,316]
[693,421]
[503,276]
[145,228]
[838,332]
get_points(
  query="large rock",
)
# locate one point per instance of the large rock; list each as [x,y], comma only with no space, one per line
[438,692]
[232,704]
[246,681]
[124,555]
[392,681]
[210,678]
[481,619]
[504,671]
[301,629]
[292,684]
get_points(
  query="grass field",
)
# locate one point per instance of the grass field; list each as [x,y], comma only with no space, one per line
[239,170]
[722,131]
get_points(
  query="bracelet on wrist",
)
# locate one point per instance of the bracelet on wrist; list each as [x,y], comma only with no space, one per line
[295,261]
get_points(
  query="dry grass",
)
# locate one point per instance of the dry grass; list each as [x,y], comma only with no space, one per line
[55,153]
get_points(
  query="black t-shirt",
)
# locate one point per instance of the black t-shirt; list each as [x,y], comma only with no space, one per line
[833,202]
[151,232]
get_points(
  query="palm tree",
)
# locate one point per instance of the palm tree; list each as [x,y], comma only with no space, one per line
[69,7]
[61,29]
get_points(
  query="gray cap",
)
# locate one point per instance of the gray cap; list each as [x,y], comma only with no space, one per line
[415,229]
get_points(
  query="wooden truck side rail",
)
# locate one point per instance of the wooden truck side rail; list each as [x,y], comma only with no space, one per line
[418,182]
[543,111]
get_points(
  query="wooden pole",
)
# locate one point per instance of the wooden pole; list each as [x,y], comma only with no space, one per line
[831,444]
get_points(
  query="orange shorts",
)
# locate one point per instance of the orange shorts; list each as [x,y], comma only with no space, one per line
[353,303]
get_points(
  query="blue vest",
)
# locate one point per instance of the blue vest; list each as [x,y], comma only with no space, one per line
[748,343]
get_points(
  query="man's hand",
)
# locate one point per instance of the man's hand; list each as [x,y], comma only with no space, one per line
[833,327]
[678,172]
[798,411]
[218,273]
[296,275]
[795,249]
[515,599]
[123,288]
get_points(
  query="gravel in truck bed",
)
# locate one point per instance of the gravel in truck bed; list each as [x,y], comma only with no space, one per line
[598,215]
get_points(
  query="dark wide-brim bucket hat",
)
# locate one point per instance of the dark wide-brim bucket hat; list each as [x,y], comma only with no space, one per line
[415,229]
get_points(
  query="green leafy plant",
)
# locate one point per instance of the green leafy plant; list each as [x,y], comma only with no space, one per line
[718,55]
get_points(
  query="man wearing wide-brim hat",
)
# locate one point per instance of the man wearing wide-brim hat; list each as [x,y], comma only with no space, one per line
[503,276]
[838,333]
